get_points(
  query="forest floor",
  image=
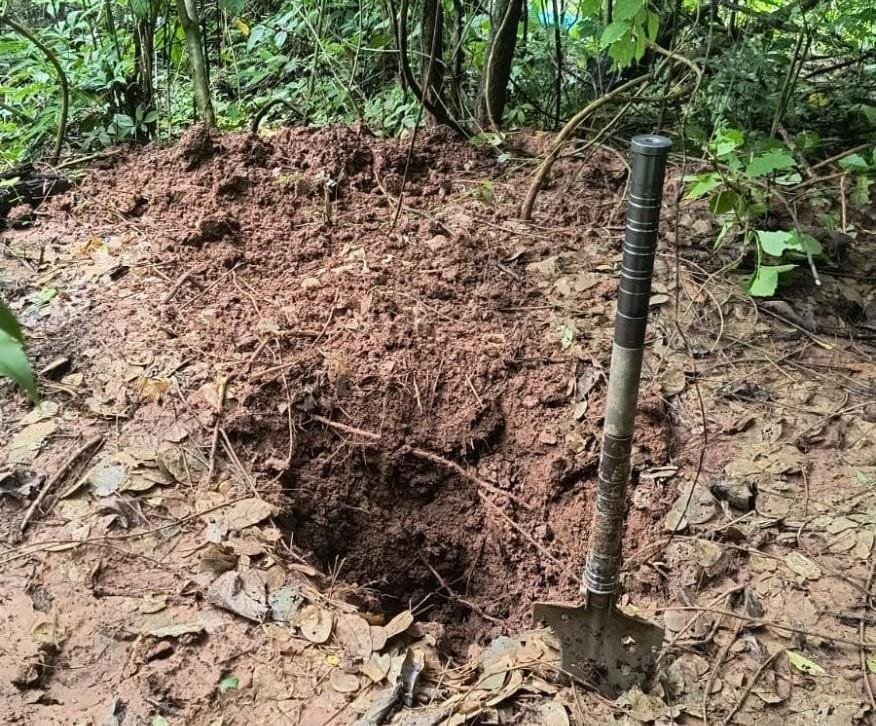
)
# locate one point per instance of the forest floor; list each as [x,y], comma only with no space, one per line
[305,466]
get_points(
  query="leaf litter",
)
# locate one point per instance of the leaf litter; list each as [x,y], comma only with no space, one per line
[756,524]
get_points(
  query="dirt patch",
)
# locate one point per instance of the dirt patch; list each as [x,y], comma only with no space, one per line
[477,422]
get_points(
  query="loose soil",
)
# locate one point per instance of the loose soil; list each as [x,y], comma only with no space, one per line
[419,392]
[419,335]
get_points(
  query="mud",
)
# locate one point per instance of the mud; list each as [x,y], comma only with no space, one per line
[377,372]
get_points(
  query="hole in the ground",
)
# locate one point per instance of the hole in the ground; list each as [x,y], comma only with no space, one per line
[408,534]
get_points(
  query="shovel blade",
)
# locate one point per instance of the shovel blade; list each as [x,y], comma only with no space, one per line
[601,645]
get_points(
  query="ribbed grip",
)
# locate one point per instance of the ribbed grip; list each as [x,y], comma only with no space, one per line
[637,268]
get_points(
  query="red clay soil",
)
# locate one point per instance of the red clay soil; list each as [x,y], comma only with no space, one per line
[407,363]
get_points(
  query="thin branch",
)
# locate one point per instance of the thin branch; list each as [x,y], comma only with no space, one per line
[62,80]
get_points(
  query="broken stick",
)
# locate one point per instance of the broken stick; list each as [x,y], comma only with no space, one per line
[57,477]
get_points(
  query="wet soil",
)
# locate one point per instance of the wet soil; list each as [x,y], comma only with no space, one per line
[405,387]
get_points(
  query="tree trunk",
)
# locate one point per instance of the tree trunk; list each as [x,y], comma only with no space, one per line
[432,49]
[188,18]
[497,68]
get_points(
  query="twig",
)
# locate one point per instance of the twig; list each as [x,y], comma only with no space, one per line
[57,477]
[346,429]
[455,596]
[716,667]
[769,624]
[861,629]
[177,286]
[748,689]
[453,466]
[52,543]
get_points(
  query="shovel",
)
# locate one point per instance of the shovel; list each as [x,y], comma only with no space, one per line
[600,644]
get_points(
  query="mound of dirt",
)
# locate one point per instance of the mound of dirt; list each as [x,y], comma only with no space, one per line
[410,391]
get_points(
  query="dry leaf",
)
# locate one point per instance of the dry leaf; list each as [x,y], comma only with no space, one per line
[802,566]
[343,682]
[354,635]
[315,623]
[247,513]
[242,593]
[399,624]
[26,443]
[378,637]
[377,667]
[552,714]
[176,631]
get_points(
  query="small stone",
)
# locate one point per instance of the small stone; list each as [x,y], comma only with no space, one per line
[311,283]
[547,438]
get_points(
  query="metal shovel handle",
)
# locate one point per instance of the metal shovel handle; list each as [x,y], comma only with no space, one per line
[637,269]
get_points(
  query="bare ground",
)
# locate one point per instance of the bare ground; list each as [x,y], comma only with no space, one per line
[352,421]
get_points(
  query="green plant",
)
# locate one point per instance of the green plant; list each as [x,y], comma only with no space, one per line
[744,184]
[13,359]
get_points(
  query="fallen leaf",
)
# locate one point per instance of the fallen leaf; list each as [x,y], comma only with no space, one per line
[176,631]
[377,667]
[552,714]
[228,684]
[343,682]
[315,623]
[285,603]
[802,566]
[153,603]
[242,593]
[399,624]
[247,513]
[804,665]
[26,443]
[353,633]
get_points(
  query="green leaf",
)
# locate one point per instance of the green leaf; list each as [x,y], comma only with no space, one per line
[765,281]
[860,196]
[14,364]
[854,162]
[590,8]
[8,323]
[804,665]
[722,235]
[871,664]
[773,243]
[768,162]
[702,184]
[804,243]
[626,9]
[653,25]
[234,7]
[723,202]
[613,33]
[228,684]
[864,481]
[727,141]
[140,8]
[158,721]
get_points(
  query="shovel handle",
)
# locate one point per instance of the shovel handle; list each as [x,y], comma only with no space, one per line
[649,154]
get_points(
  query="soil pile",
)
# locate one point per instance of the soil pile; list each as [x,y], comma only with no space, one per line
[407,391]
